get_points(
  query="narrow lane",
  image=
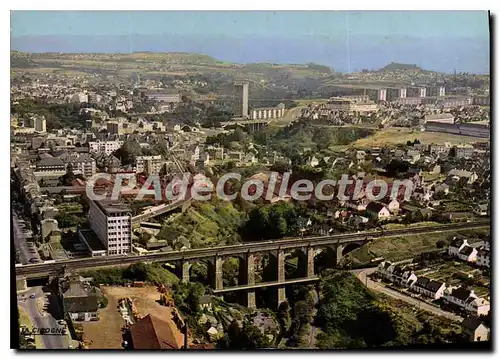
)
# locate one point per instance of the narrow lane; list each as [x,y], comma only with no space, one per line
[363,277]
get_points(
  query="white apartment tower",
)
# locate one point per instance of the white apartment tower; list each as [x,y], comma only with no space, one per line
[111,221]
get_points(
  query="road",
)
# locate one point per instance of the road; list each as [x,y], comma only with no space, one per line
[290,116]
[42,320]
[20,242]
[363,277]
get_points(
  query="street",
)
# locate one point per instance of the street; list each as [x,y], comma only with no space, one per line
[42,319]
[363,277]
[27,251]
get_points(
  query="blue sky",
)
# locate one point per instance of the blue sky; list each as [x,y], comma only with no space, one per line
[347,41]
[425,24]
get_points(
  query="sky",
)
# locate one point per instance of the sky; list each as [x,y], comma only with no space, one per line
[252,35]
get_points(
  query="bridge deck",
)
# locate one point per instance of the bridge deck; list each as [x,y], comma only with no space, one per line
[32,270]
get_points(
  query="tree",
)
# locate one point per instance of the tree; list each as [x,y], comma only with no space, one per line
[302,315]
[195,292]
[253,338]
[284,316]
[440,244]
[137,272]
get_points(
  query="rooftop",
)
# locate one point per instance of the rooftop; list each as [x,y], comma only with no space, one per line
[111,206]
[93,242]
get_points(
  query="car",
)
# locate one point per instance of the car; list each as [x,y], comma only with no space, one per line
[32,296]
[34,260]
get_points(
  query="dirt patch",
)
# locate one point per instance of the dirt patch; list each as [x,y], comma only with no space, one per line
[107,332]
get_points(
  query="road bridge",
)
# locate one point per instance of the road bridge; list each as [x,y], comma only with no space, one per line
[336,246]
[161,209]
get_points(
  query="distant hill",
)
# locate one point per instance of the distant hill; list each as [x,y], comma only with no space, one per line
[394,66]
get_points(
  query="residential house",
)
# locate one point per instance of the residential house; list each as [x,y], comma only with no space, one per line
[80,299]
[438,148]
[378,211]
[477,306]
[358,220]
[456,245]
[443,187]
[360,156]
[383,269]
[458,296]
[412,156]
[313,161]
[216,153]
[206,302]
[194,150]
[468,176]
[481,209]
[393,206]
[234,156]
[250,159]
[358,205]
[468,254]
[487,243]
[152,332]
[50,164]
[483,258]
[474,330]
[463,151]
[429,287]
[408,278]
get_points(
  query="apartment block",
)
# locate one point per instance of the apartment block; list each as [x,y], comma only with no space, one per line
[111,222]
[151,165]
[106,147]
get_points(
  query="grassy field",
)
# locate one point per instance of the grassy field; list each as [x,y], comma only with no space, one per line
[399,248]
[394,136]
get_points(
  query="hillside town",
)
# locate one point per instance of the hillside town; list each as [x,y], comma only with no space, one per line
[402,249]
